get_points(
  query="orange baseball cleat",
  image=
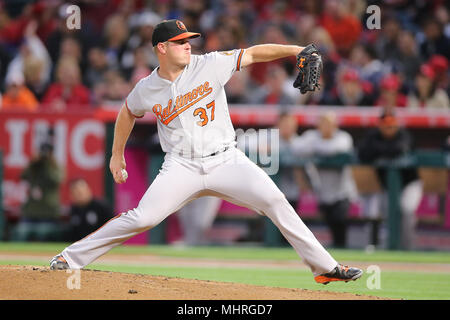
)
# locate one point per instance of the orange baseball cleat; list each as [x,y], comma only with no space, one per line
[340,273]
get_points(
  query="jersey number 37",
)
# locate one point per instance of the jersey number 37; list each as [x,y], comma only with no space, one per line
[203,114]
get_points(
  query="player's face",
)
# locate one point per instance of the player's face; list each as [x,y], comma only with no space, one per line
[388,131]
[179,52]
[80,193]
[288,127]
[327,127]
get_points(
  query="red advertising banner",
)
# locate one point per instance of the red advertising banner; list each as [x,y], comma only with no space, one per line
[78,146]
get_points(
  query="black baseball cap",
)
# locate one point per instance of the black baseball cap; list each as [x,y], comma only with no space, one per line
[171,30]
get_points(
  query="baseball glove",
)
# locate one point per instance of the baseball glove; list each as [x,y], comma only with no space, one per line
[309,63]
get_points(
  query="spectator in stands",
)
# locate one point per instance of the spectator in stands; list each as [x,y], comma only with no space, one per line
[5,58]
[334,187]
[12,27]
[311,7]
[446,145]
[111,92]
[33,71]
[408,61]
[196,219]
[17,96]
[242,13]
[141,66]
[41,211]
[67,93]
[85,36]
[269,34]
[439,64]
[322,40]
[435,42]
[237,88]
[70,47]
[288,177]
[388,142]
[386,44]
[426,94]
[331,59]
[32,53]
[222,39]
[442,15]
[390,96]
[45,13]
[343,27]
[115,34]
[141,38]
[97,66]
[364,59]
[87,213]
[351,90]
[312,98]
[356,8]
[280,13]
[126,8]
[305,26]
[274,89]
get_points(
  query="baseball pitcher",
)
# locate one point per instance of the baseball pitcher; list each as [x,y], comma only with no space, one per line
[186,94]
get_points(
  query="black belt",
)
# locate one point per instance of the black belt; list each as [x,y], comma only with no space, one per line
[216,153]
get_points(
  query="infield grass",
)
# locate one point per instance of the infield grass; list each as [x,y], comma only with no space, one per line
[394,284]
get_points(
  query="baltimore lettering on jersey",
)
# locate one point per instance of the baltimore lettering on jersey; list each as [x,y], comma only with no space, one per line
[182,103]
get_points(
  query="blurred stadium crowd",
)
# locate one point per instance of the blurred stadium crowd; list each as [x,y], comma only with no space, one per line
[46,66]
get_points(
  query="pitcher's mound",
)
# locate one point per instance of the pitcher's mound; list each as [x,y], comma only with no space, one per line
[28,282]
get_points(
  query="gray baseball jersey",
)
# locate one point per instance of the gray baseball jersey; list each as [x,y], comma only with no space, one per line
[192,111]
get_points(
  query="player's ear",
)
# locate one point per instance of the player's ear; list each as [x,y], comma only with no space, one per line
[161,47]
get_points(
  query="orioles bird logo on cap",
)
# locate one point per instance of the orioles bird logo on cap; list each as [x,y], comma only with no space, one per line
[181,25]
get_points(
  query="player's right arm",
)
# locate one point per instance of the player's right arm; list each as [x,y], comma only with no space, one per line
[123,126]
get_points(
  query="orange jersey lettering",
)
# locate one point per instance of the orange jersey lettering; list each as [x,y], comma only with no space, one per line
[182,103]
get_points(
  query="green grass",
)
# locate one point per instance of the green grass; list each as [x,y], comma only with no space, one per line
[243,252]
[394,284]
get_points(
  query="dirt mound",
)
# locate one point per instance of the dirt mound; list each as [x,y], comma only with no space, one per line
[41,283]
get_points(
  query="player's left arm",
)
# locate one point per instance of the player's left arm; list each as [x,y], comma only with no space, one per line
[268,52]
[309,62]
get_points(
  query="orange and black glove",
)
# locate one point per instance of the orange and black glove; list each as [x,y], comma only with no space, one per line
[309,63]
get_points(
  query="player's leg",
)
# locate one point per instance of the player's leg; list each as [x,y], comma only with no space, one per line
[335,215]
[173,186]
[240,179]
[409,202]
[196,218]
[372,210]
